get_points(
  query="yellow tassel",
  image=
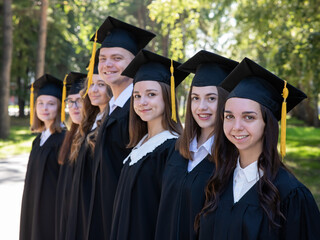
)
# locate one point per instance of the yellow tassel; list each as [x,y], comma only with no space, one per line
[90,68]
[173,95]
[64,95]
[285,94]
[31,104]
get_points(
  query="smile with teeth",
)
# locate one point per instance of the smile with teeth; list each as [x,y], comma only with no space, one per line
[240,137]
[109,73]
[204,115]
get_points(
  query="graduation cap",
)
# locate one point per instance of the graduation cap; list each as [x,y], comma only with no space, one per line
[210,69]
[148,66]
[250,80]
[72,83]
[115,33]
[45,85]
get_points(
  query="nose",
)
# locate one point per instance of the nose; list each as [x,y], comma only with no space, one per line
[143,101]
[94,87]
[237,126]
[203,105]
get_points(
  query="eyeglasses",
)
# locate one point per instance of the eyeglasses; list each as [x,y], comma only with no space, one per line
[77,102]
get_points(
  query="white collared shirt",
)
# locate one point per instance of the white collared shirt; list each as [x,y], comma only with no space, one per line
[200,153]
[121,99]
[244,179]
[98,117]
[44,136]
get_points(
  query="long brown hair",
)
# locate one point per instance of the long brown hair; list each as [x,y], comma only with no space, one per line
[38,125]
[66,145]
[138,128]
[192,129]
[89,113]
[225,155]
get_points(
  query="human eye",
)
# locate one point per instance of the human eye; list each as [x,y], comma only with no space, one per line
[194,98]
[101,84]
[102,59]
[249,117]
[228,116]
[211,99]
[136,96]
[151,94]
[117,58]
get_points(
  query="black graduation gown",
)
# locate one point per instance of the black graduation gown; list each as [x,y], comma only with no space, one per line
[64,187]
[138,195]
[182,197]
[247,220]
[110,151]
[38,202]
[77,221]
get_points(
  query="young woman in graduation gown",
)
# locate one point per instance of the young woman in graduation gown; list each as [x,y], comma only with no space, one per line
[190,166]
[95,105]
[252,194]
[152,133]
[38,201]
[74,83]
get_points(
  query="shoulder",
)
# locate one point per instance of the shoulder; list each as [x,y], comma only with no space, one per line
[289,186]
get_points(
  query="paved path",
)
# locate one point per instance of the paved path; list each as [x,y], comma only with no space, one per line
[12,174]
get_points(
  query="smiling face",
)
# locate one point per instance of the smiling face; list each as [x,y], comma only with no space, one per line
[74,103]
[98,92]
[204,102]
[244,125]
[46,109]
[148,101]
[112,62]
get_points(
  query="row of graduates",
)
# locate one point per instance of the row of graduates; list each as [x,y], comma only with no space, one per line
[127,169]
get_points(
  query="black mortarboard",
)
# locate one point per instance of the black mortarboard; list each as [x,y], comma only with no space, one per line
[250,80]
[151,66]
[75,81]
[210,69]
[48,85]
[115,33]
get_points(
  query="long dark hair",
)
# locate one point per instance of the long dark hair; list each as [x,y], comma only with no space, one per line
[138,128]
[192,129]
[225,155]
[66,145]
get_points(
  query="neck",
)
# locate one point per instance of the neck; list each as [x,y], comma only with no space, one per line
[248,157]
[154,129]
[47,124]
[102,108]
[118,89]
[204,136]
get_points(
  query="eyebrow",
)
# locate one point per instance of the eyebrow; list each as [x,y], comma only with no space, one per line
[208,94]
[112,55]
[243,113]
[148,90]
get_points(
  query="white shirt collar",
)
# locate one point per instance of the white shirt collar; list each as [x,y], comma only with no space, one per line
[44,136]
[250,171]
[121,99]
[207,145]
[98,117]
[141,150]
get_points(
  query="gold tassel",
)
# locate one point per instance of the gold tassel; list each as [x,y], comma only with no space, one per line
[173,95]
[285,94]
[31,104]
[90,68]
[64,95]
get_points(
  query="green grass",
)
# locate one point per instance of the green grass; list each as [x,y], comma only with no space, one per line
[303,157]
[19,141]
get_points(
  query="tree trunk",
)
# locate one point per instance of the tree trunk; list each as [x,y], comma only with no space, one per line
[21,101]
[6,70]
[42,41]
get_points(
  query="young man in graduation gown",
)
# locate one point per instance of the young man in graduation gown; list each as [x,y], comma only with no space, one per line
[120,42]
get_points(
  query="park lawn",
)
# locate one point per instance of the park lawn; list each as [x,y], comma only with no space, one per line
[303,156]
[19,141]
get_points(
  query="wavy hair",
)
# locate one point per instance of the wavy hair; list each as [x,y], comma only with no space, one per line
[225,155]
[89,113]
